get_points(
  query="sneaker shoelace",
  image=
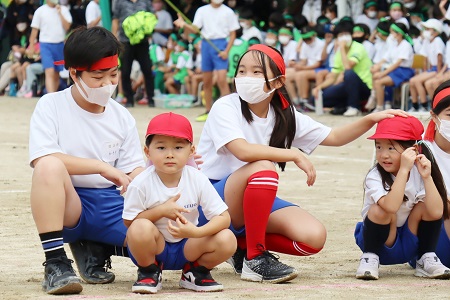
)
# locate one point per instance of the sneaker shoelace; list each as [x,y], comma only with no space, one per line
[62,264]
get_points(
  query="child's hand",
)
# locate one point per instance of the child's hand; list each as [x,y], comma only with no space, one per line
[408,158]
[423,165]
[119,178]
[172,210]
[179,22]
[182,228]
[303,163]
[389,113]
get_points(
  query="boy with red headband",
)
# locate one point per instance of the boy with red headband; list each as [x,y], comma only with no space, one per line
[161,213]
[83,145]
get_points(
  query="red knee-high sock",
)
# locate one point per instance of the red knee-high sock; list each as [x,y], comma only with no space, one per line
[258,200]
[241,242]
[282,244]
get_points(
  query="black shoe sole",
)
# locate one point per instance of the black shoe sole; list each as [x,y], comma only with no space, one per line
[69,288]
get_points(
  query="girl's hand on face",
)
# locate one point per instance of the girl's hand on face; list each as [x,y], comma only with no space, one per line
[389,113]
[304,164]
[423,165]
[408,158]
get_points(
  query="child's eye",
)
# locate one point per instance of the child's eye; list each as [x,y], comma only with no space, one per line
[179,147]
[160,148]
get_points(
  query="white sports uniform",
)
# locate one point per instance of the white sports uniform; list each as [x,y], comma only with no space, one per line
[226,123]
[147,191]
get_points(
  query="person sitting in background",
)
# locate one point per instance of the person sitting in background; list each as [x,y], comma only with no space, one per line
[179,67]
[247,24]
[361,34]
[370,15]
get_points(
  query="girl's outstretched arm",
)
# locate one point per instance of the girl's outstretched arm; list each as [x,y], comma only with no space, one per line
[347,133]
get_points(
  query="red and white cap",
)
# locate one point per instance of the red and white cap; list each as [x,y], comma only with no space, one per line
[171,124]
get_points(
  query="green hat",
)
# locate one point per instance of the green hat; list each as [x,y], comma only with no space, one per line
[370,3]
[174,37]
[182,44]
[272,31]
[285,31]
[288,17]
[196,40]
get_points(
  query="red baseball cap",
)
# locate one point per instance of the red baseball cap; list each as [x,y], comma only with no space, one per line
[399,128]
[171,124]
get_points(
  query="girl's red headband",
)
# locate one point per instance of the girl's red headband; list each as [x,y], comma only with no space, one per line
[431,128]
[279,61]
[104,63]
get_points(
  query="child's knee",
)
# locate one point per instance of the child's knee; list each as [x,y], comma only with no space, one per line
[142,229]
[49,166]
[226,241]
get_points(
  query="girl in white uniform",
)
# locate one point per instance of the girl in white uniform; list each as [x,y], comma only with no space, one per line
[246,135]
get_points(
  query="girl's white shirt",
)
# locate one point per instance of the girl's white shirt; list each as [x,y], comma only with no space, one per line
[374,191]
[226,123]
[443,160]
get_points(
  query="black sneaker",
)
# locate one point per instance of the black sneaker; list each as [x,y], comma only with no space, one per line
[60,278]
[267,268]
[92,261]
[237,260]
[149,280]
[199,279]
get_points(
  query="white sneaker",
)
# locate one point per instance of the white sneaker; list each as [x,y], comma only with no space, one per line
[412,110]
[430,266]
[371,102]
[368,266]
[352,112]
[422,109]
[387,105]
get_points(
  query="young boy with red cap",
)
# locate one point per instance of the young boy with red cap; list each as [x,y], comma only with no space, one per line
[404,202]
[83,145]
[161,213]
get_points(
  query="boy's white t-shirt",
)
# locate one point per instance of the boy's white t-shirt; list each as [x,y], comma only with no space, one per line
[290,52]
[371,23]
[370,49]
[48,21]
[312,52]
[447,54]
[216,23]
[252,32]
[147,191]
[403,51]
[381,47]
[226,123]
[59,125]
[442,159]
[432,49]
[374,190]
[93,11]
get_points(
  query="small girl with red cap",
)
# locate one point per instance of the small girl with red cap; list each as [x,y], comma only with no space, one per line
[246,135]
[404,201]
[437,137]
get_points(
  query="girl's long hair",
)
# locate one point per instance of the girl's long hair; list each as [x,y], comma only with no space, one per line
[436,174]
[284,128]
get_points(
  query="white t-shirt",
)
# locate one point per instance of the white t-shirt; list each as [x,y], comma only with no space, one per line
[59,125]
[47,20]
[381,47]
[403,51]
[447,54]
[432,49]
[216,23]
[147,191]
[289,52]
[164,22]
[374,190]
[371,23]
[226,123]
[312,52]
[370,49]
[443,160]
[93,11]
[252,32]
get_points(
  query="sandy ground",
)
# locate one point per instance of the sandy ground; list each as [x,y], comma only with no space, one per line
[335,199]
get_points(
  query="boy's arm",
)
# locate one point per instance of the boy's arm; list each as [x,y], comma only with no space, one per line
[224,54]
[216,224]
[185,229]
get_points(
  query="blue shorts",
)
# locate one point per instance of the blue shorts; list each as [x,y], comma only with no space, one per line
[101,217]
[50,53]
[317,70]
[432,69]
[404,248]
[210,58]
[443,247]
[400,75]
[219,185]
[171,258]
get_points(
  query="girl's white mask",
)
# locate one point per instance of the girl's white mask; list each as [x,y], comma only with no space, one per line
[251,89]
[99,96]
[444,129]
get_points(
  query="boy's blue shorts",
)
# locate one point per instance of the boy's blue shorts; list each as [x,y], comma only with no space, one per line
[443,247]
[219,185]
[404,248]
[210,58]
[432,69]
[51,52]
[400,75]
[101,217]
[172,257]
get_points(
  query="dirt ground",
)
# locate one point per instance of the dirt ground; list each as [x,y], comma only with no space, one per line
[335,199]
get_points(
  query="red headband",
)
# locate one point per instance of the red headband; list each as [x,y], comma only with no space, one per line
[431,128]
[104,63]
[279,61]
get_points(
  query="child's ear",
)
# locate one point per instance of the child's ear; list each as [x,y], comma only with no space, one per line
[192,150]
[73,74]
[147,154]
[279,82]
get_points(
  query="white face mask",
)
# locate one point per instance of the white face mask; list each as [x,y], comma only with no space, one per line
[244,25]
[21,26]
[270,41]
[251,89]
[284,39]
[99,96]
[347,38]
[410,5]
[427,35]
[56,2]
[372,14]
[391,39]
[217,1]
[444,129]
